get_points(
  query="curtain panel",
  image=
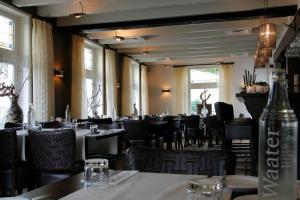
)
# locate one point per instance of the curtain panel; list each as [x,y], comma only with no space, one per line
[225,89]
[111,80]
[78,97]
[144,91]
[42,69]
[181,91]
[130,86]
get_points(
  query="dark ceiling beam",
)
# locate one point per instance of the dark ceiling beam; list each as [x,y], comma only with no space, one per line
[195,19]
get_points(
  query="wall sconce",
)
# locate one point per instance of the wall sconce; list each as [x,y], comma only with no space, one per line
[166,90]
[117,85]
[58,73]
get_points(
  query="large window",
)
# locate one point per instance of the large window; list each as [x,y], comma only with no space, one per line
[6,33]
[93,81]
[6,77]
[201,79]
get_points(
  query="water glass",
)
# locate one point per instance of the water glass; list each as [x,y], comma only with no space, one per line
[96,172]
[204,189]
[93,128]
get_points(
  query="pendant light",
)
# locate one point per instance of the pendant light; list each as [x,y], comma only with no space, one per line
[267,33]
[263,52]
[259,65]
[79,14]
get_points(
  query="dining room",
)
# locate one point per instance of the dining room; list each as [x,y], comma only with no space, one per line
[137,99]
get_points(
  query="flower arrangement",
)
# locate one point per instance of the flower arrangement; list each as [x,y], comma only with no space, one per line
[95,100]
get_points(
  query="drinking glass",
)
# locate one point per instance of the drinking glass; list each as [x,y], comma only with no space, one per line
[96,172]
[204,189]
[93,128]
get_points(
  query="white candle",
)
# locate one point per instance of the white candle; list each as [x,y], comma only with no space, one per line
[296,79]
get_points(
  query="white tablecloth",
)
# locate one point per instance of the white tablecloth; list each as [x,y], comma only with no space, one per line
[80,144]
[142,186]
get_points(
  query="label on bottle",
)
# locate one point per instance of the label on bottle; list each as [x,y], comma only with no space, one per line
[277,166]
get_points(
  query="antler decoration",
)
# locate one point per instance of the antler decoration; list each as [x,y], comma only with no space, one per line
[204,99]
[94,100]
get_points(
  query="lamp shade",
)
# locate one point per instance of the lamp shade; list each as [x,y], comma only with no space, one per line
[267,35]
[259,65]
[266,52]
[263,60]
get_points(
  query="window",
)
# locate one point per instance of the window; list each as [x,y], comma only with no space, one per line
[6,33]
[201,79]
[93,80]
[7,77]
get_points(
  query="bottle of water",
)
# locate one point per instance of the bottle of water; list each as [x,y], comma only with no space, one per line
[68,114]
[31,117]
[278,126]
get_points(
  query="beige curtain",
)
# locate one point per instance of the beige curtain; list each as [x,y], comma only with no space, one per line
[126,87]
[181,91]
[42,68]
[111,80]
[144,91]
[130,86]
[78,97]
[225,84]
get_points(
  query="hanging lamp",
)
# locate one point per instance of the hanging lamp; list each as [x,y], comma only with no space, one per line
[267,32]
[79,14]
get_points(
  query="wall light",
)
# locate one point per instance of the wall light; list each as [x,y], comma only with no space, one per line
[166,90]
[58,73]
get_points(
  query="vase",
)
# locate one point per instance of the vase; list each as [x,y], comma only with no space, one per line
[204,110]
[14,112]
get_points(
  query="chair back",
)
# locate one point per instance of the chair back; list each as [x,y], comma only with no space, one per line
[53,124]
[136,129]
[8,148]
[211,162]
[13,125]
[101,121]
[224,111]
[53,150]
[192,121]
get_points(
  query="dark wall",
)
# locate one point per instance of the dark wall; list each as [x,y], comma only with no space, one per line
[63,60]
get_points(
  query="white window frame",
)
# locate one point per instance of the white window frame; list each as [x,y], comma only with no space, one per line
[20,55]
[199,85]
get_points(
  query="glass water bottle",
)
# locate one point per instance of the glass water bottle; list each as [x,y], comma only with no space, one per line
[278,126]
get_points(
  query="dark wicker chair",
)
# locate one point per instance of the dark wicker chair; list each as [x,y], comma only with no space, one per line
[13,175]
[13,125]
[53,124]
[101,121]
[53,155]
[211,162]
[175,128]
[137,132]
[193,130]
[238,129]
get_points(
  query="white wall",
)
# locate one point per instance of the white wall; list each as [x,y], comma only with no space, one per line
[160,77]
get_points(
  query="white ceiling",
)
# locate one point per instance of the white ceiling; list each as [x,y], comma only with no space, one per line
[189,43]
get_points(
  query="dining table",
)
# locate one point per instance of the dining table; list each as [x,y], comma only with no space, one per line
[132,186]
[107,142]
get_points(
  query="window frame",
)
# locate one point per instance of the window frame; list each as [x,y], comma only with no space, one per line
[208,85]
[14,20]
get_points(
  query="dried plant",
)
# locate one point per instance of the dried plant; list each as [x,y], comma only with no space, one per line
[13,90]
[95,100]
